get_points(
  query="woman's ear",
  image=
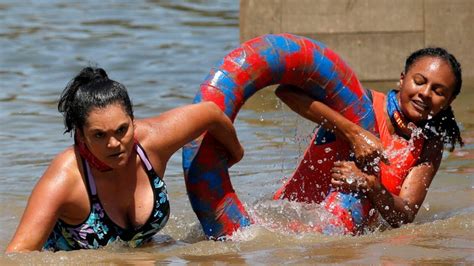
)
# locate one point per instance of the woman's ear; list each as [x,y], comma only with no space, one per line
[449,102]
[402,77]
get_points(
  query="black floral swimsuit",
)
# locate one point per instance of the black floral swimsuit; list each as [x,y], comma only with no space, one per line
[98,229]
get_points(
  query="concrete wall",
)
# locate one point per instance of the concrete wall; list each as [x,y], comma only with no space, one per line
[373,36]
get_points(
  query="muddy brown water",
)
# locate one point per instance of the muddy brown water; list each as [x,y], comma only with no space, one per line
[162,50]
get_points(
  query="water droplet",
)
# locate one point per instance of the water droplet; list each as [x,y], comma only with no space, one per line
[262,119]
[350,180]
[387,208]
[327,150]
[320,161]
[426,206]
[372,212]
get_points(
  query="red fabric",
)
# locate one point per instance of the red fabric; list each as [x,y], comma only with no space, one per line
[311,180]
[90,158]
[402,154]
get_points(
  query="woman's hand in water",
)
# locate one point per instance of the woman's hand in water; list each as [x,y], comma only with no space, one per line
[368,149]
[346,176]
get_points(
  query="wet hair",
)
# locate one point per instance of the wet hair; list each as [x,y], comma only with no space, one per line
[91,88]
[444,123]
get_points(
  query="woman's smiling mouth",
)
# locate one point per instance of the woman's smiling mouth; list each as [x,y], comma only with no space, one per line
[420,106]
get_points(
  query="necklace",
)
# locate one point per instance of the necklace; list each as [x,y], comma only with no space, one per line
[396,116]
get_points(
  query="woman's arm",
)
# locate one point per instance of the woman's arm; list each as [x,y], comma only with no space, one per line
[396,210]
[43,208]
[168,132]
[365,145]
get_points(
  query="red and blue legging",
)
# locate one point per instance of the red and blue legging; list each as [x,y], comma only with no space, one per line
[256,64]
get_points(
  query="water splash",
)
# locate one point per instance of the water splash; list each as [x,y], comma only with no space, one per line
[290,218]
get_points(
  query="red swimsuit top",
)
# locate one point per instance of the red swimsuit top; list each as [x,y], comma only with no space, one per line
[403,154]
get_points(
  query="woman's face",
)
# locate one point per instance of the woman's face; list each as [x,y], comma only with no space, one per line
[109,134]
[426,88]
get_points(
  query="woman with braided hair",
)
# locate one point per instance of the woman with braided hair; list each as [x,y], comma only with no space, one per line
[373,154]
[414,123]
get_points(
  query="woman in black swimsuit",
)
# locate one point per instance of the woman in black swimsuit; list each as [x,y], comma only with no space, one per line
[106,187]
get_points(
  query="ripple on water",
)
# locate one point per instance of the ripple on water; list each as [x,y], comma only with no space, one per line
[162,50]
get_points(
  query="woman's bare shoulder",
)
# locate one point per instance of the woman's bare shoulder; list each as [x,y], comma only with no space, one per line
[64,171]
[150,134]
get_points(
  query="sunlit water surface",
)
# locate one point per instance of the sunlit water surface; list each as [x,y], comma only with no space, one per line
[162,50]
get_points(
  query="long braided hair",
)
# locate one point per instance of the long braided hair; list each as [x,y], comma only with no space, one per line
[444,124]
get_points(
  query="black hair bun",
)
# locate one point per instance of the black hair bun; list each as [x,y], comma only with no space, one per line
[99,74]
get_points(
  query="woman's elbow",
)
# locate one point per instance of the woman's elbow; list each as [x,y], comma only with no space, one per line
[213,114]
[282,92]
[17,249]
[405,218]
[211,109]
[409,219]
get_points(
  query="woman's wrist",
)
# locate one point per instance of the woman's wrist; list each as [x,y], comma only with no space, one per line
[375,187]
[349,132]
